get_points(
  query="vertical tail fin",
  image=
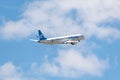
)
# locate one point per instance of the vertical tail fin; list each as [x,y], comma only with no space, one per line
[40,35]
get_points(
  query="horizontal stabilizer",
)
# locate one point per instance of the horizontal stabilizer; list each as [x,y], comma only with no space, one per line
[34,40]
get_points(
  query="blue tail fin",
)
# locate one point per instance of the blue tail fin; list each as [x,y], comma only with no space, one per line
[40,35]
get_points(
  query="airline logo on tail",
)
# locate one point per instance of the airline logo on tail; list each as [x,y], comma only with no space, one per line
[41,36]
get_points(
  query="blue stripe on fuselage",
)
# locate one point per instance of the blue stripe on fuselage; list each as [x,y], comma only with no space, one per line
[73,37]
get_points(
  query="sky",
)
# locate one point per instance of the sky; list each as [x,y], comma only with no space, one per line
[95,58]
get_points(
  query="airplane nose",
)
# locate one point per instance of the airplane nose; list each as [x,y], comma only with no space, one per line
[82,37]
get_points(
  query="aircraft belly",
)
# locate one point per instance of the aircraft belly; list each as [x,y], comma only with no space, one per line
[57,42]
[47,42]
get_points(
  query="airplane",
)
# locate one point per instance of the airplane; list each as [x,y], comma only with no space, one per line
[70,39]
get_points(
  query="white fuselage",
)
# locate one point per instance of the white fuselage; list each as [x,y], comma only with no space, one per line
[71,39]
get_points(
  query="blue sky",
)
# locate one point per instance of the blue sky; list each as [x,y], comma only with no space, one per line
[97,57]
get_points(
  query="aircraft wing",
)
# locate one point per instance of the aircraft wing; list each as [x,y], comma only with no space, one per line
[70,42]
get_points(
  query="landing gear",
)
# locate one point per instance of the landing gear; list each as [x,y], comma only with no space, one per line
[72,43]
[78,40]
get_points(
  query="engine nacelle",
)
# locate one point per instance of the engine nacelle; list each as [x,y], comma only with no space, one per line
[70,42]
[74,43]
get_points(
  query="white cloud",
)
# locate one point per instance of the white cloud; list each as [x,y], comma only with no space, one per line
[10,72]
[14,30]
[106,33]
[71,63]
[65,17]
